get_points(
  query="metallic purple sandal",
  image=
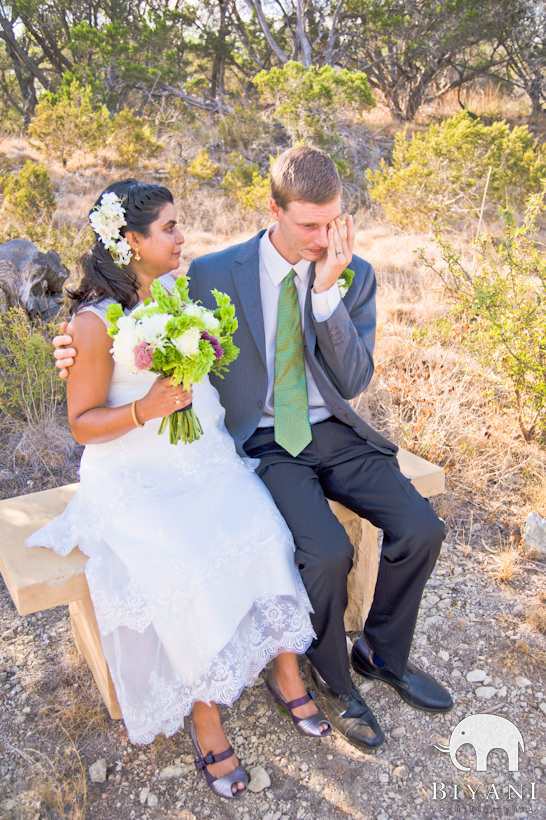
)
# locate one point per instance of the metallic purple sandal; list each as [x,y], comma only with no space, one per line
[310,726]
[222,786]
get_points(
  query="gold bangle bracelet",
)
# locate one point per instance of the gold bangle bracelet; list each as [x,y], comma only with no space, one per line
[134,415]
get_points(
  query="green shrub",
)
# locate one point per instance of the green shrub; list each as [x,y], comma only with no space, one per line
[69,121]
[502,302]
[132,140]
[29,198]
[307,101]
[244,183]
[29,385]
[441,175]
[202,167]
[178,180]
[245,131]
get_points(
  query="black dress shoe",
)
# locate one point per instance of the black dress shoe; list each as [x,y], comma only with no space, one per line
[350,716]
[416,687]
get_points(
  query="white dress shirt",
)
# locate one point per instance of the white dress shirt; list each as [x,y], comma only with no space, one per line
[273,269]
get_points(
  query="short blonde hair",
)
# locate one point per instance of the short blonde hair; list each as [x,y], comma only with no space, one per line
[305,174]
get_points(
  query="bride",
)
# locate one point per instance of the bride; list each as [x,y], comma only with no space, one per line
[190,568]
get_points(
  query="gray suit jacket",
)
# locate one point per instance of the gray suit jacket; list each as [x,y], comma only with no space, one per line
[339,351]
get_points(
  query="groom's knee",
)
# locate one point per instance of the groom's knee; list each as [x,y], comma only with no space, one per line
[327,558]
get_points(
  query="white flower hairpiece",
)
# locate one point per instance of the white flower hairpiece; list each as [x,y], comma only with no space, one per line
[106,220]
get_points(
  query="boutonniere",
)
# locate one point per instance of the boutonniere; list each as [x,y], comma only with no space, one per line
[345,281]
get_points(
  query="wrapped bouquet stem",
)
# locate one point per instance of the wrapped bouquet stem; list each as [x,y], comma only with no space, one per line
[178,339]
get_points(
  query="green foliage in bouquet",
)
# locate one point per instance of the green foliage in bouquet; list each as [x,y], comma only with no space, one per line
[440,175]
[502,301]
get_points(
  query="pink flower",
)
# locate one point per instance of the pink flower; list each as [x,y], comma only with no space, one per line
[144,354]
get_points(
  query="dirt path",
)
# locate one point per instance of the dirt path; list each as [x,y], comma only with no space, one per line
[53,726]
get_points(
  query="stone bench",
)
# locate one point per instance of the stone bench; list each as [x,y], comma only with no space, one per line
[38,578]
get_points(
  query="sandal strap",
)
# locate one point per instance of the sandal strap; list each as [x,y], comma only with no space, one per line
[210,758]
[293,704]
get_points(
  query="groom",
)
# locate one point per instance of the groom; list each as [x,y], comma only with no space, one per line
[305,351]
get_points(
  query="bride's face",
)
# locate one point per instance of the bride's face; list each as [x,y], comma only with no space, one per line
[160,250]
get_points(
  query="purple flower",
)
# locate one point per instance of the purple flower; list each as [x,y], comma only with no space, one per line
[144,355]
[216,346]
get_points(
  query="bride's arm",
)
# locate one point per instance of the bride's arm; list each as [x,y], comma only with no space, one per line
[90,420]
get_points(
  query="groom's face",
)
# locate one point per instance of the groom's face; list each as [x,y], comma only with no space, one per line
[301,231]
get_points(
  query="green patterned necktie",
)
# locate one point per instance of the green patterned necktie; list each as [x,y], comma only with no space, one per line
[292,428]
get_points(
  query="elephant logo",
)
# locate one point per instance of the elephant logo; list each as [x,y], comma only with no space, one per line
[485,732]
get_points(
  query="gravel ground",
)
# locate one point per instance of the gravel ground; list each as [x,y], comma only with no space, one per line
[477,637]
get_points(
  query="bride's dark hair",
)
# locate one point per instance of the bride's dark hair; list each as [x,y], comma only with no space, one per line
[101,276]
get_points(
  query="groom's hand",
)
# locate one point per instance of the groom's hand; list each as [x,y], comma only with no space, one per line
[64,355]
[338,254]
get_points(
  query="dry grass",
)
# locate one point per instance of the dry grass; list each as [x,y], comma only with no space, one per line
[47,443]
[59,780]
[535,614]
[485,100]
[507,563]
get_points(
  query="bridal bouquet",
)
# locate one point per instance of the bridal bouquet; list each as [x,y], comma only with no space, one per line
[174,337]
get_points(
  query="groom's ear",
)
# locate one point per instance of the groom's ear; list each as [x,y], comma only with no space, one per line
[274,208]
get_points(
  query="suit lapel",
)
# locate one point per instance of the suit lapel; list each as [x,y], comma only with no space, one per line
[246,278]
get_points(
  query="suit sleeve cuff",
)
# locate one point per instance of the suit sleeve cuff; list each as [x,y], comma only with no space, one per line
[325,303]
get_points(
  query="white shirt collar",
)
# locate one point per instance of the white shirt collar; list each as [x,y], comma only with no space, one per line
[277,266]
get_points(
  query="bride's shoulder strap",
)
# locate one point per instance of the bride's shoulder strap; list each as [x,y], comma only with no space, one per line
[99,309]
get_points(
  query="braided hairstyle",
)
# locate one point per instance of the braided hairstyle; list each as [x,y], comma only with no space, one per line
[101,276]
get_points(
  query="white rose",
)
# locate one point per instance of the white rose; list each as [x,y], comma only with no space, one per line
[152,328]
[126,323]
[123,348]
[188,342]
[211,322]
[194,310]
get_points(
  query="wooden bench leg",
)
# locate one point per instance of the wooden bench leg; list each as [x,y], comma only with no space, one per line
[87,638]
[362,578]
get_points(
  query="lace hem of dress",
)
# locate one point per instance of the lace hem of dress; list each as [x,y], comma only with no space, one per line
[272,626]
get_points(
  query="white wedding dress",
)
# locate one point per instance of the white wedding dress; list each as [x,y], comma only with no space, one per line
[191,568]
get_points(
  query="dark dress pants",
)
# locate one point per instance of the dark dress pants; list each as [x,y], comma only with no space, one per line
[340,465]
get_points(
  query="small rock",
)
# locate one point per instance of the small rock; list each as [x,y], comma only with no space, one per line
[400,771]
[97,771]
[143,795]
[485,692]
[259,779]
[476,676]
[543,706]
[169,772]
[534,534]
[152,801]
[443,655]
[398,732]
[383,777]
[522,682]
